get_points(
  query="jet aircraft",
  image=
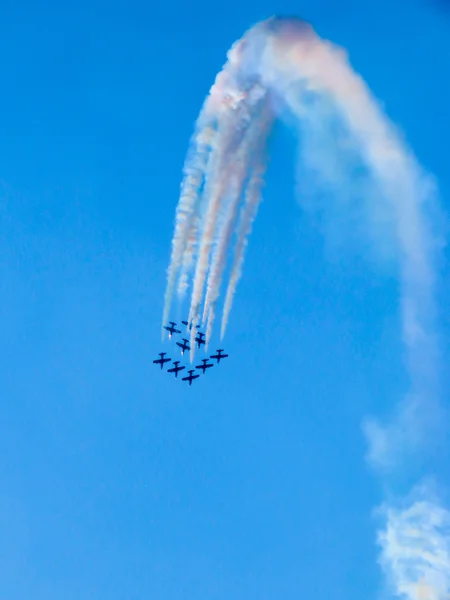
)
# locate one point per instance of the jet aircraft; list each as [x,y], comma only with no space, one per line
[204,366]
[162,360]
[190,377]
[189,326]
[199,339]
[219,356]
[171,328]
[184,346]
[176,368]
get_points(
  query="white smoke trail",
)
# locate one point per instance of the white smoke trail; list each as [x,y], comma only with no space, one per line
[248,215]
[194,170]
[225,224]
[237,117]
[415,549]
[285,58]
[215,188]
[188,257]
[250,147]
[322,69]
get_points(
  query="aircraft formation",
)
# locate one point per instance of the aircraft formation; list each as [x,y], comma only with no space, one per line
[184,345]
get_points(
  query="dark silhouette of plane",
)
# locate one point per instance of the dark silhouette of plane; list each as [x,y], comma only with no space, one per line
[176,368]
[199,339]
[171,329]
[184,346]
[162,360]
[189,326]
[219,356]
[190,377]
[204,366]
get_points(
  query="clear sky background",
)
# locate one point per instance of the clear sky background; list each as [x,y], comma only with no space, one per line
[116,481]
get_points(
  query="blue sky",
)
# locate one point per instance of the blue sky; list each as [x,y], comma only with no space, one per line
[117,481]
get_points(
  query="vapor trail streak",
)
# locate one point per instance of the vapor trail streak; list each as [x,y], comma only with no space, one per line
[250,147]
[194,169]
[248,215]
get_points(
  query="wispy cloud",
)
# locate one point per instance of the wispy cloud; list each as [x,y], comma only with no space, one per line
[413,430]
[415,548]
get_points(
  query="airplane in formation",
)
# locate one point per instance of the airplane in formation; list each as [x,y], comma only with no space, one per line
[200,339]
[162,360]
[176,368]
[205,365]
[171,328]
[189,325]
[190,377]
[219,356]
[184,346]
